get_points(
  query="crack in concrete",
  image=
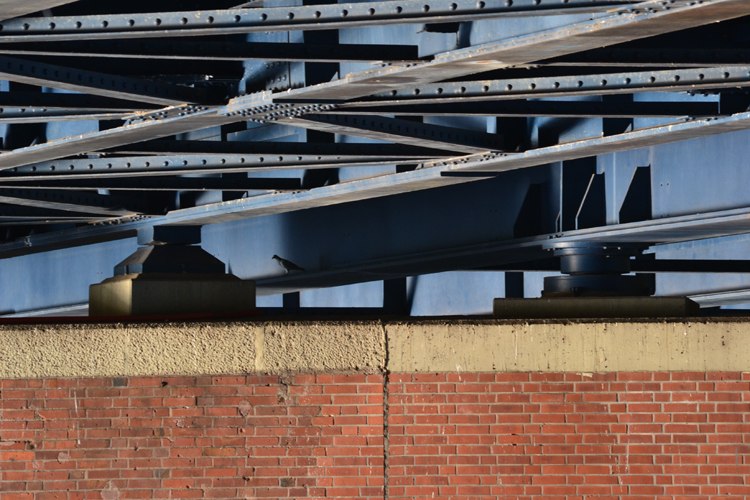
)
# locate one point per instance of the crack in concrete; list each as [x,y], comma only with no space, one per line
[386,408]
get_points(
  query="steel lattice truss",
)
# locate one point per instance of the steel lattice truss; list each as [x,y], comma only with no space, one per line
[110,117]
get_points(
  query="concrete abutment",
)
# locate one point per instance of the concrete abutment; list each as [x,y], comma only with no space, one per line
[371,409]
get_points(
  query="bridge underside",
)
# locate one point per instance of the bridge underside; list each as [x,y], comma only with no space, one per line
[421,155]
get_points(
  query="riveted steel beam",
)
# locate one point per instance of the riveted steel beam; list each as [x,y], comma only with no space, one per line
[218,51]
[339,149]
[649,19]
[81,202]
[164,123]
[314,17]
[402,132]
[184,164]
[665,134]
[170,184]
[91,82]
[646,19]
[154,125]
[674,80]
[572,109]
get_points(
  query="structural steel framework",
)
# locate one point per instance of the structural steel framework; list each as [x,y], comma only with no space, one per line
[375,141]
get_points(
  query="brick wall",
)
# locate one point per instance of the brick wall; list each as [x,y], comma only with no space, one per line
[460,435]
[554,436]
[204,437]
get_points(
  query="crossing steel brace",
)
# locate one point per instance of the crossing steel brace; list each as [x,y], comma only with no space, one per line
[692,80]
[648,19]
[130,156]
[162,165]
[563,109]
[352,149]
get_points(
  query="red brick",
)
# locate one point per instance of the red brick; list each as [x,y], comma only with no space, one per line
[16,455]
[475,434]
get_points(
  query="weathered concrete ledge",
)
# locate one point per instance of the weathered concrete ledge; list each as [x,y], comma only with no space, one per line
[133,349]
[136,349]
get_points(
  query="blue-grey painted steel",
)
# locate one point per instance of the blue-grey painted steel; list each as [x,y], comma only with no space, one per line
[118,166]
[315,17]
[689,129]
[58,278]
[667,231]
[380,224]
[496,55]
[674,80]
[240,146]
[541,108]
